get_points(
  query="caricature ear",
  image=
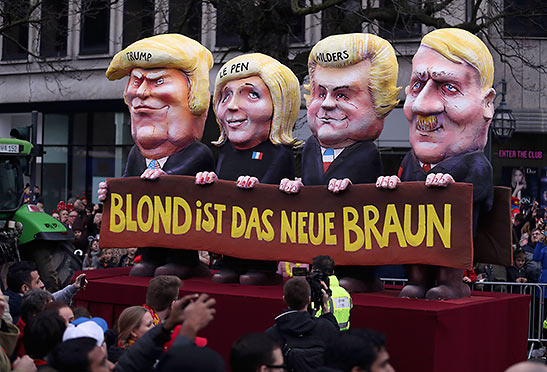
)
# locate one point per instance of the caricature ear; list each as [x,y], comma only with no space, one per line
[488,104]
[406,90]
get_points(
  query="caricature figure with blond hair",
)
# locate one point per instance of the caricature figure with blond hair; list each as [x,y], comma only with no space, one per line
[256,102]
[167,94]
[449,106]
[352,89]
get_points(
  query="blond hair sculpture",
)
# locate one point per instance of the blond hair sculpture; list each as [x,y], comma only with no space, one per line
[459,45]
[282,84]
[339,51]
[169,51]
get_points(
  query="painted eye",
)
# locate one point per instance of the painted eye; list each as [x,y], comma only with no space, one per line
[322,94]
[254,95]
[450,88]
[225,98]
[135,82]
[341,96]
[417,85]
[160,81]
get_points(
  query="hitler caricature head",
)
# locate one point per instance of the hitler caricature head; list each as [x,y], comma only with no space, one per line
[167,92]
[352,88]
[449,103]
[256,98]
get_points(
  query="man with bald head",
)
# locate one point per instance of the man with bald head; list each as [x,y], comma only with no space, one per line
[449,107]
[527,367]
[167,94]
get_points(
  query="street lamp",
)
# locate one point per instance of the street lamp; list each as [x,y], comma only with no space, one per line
[503,123]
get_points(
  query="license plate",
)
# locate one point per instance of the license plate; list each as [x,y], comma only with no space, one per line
[9,148]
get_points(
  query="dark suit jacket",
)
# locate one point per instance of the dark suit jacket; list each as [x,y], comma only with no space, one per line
[359,162]
[192,159]
[275,164]
[472,167]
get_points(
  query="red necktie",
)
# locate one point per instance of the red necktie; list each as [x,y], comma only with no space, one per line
[426,167]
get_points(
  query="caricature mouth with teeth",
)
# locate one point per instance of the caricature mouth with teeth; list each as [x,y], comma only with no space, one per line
[427,123]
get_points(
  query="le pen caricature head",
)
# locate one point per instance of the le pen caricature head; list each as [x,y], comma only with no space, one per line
[169,51]
[282,84]
[339,51]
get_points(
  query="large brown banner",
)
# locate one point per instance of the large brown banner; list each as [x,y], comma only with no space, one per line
[362,226]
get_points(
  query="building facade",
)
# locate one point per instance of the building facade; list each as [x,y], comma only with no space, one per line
[57,66]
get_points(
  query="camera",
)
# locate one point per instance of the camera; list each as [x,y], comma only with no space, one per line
[314,279]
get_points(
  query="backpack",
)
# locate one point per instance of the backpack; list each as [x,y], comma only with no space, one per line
[302,353]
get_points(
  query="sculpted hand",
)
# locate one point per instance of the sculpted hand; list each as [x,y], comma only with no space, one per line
[102,192]
[438,180]
[387,182]
[336,186]
[291,187]
[152,174]
[205,178]
[247,182]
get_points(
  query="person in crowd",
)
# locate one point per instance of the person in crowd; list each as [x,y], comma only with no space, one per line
[528,246]
[63,310]
[56,216]
[42,333]
[23,276]
[80,354]
[256,352]
[540,255]
[91,259]
[63,215]
[469,276]
[72,215]
[133,323]
[527,367]
[297,327]
[184,354]
[33,303]
[340,304]
[107,259]
[161,295]
[357,350]
[128,258]
[9,335]
[517,272]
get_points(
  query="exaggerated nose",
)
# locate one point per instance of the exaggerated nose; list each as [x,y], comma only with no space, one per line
[233,103]
[329,102]
[428,101]
[143,91]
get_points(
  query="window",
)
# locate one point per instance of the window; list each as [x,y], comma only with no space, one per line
[341,20]
[138,20]
[95,24]
[15,40]
[401,27]
[185,18]
[54,28]
[228,18]
[526,18]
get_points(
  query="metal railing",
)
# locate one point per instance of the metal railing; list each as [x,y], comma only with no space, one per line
[536,313]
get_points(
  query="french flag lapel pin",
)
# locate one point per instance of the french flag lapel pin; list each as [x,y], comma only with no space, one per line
[257,155]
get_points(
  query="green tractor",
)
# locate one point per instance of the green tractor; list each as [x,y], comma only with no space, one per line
[26,232]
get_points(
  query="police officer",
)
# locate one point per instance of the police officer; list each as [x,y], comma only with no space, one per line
[340,303]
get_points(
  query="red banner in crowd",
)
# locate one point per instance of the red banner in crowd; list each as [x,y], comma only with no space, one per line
[362,226]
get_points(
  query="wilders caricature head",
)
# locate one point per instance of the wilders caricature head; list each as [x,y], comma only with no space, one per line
[256,98]
[449,103]
[167,92]
[352,88]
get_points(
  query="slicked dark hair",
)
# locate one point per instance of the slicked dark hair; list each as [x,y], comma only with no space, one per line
[354,348]
[42,333]
[296,292]
[251,351]
[19,274]
[72,355]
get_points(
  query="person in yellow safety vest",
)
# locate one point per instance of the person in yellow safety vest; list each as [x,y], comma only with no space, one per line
[340,303]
